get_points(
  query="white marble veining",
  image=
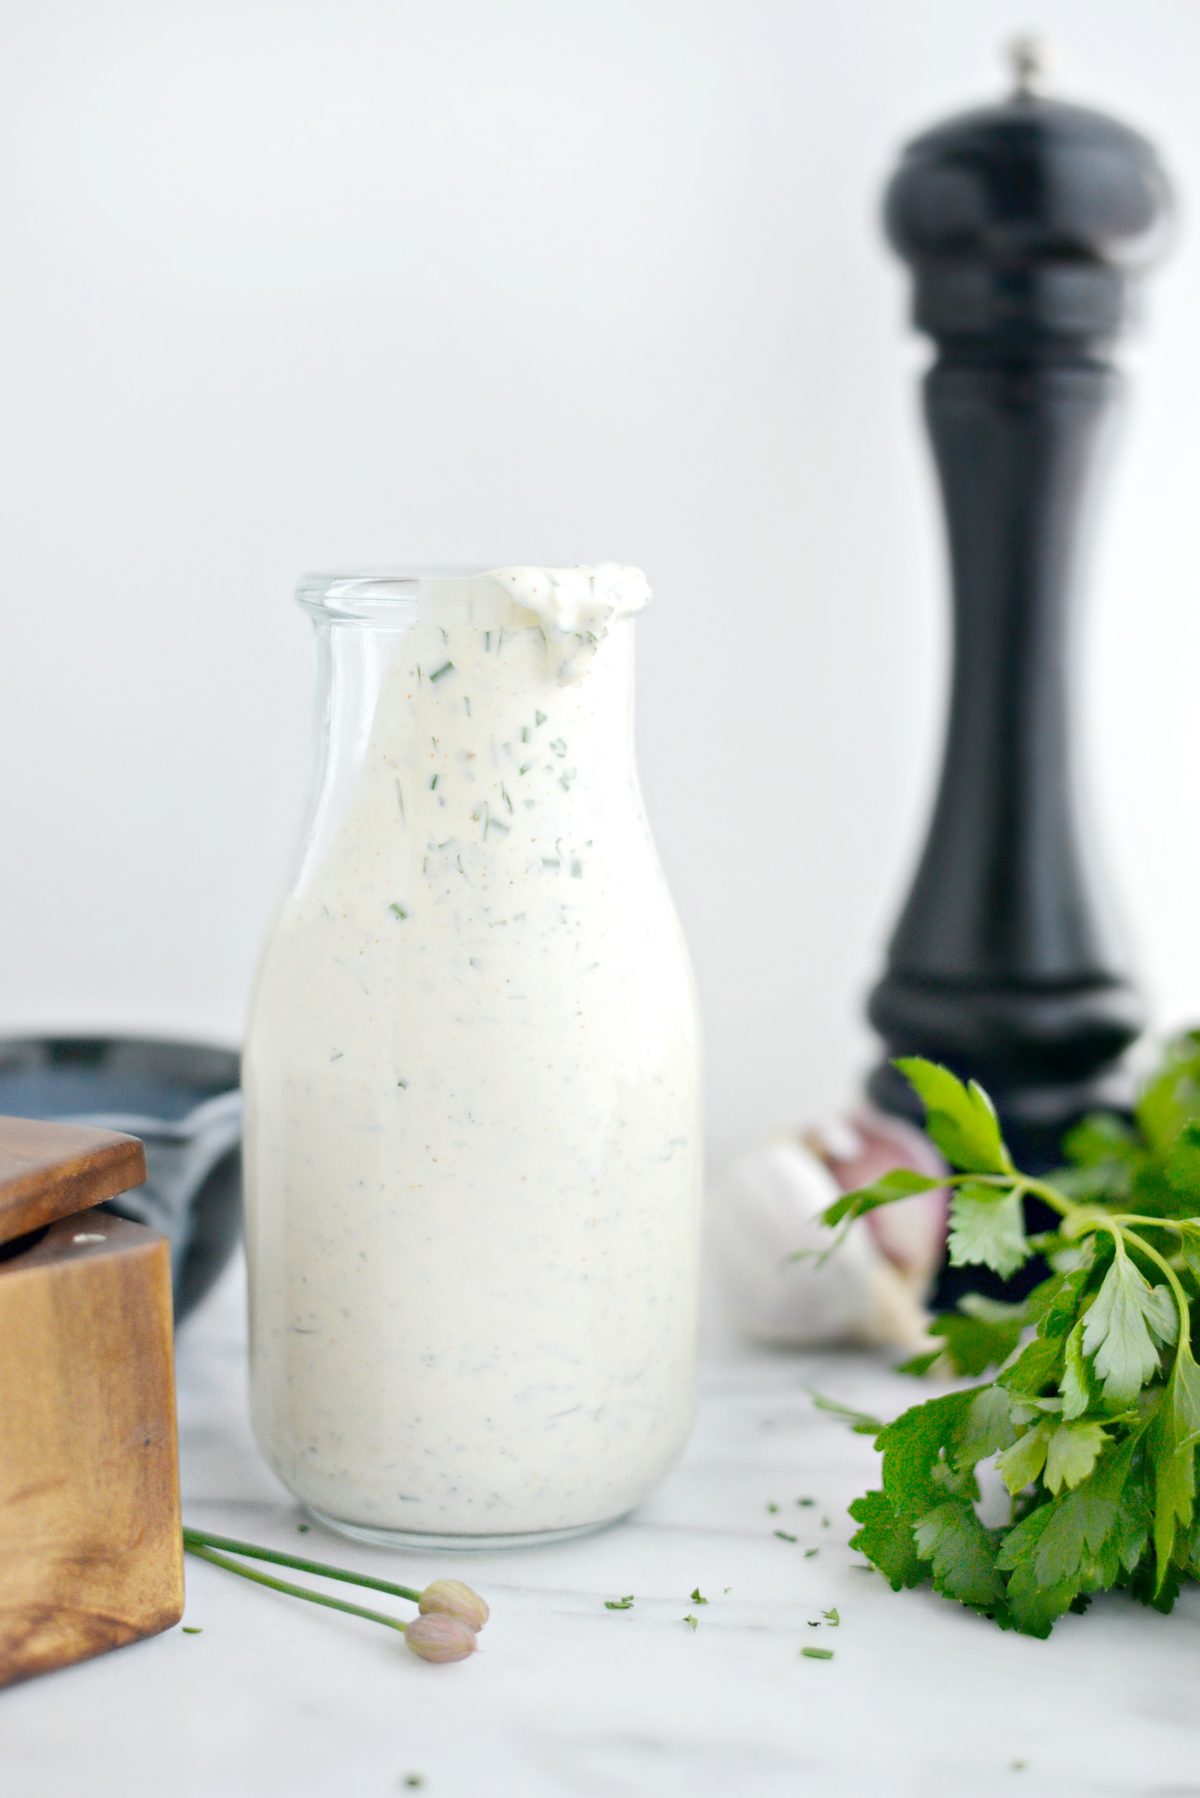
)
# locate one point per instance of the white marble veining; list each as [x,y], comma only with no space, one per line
[280,1700]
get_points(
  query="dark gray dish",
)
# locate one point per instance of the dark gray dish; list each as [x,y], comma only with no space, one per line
[182,1099]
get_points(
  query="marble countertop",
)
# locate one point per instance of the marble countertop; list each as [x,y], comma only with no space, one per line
[569,1700]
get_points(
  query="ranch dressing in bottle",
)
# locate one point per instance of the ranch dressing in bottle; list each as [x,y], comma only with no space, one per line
[471,1077]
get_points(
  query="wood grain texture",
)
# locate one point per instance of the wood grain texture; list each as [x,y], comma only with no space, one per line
[50,1170]
[90,1547]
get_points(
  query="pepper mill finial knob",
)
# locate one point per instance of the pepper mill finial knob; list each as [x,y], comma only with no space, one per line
[1029,59]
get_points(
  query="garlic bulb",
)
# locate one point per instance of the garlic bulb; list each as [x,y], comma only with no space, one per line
[858,1150]
[766,1207]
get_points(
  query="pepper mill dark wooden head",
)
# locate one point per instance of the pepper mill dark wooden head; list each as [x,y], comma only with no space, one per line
[1025,225]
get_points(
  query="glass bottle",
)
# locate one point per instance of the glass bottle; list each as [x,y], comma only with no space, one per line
[471,1079]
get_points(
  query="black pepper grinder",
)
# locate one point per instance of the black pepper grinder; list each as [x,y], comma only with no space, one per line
[1026,225]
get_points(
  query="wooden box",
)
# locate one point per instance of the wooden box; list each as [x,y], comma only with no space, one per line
[90,1546]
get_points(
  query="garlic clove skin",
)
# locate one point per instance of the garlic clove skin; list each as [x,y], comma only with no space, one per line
[765,1207]
[858,1150]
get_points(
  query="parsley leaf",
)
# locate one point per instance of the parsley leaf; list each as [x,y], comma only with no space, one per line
[1093,1419]
[899,1183]
[960,1119]
[962,1554]
[1121,1328]
[987,1227]
[886,1539]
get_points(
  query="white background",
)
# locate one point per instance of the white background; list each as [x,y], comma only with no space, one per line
[331,282]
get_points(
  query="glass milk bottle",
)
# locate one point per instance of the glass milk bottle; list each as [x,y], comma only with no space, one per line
[471,1077]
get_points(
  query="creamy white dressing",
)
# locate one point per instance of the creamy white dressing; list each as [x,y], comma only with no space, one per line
[473,1146]
[576,607]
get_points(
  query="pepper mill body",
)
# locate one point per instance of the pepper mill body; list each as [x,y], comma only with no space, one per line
[1024,224]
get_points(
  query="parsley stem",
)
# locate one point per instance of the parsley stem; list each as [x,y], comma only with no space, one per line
[280,1585]
[1050,1195]
[193,1540]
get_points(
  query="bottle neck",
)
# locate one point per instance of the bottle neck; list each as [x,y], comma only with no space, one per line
[457,729]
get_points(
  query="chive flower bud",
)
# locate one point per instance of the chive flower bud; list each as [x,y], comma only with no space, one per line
[451,1598]
[440,1637]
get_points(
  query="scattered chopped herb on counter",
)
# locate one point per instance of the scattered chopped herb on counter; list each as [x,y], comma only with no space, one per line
[192,1629]
[397,911]
[806,1502]
[303,1528]
[694,1622]
[619,1604]
[810,1552]
[786,1536]
[539,717]
[817,1654]
[772,1510]
[1092,1413]
[414,1781]
[446,668]
[697,1596]
[832,1618]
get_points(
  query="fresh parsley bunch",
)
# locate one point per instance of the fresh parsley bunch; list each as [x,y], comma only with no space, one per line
[1093,1415]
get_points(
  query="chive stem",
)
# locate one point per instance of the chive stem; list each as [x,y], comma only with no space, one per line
[280,1585]
[194,1540]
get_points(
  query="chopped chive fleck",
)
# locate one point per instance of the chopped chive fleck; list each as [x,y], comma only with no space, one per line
[831,1617]
[619,1604]
[303,1528]
[487,639]
[337,1055]
[446,668]
[824,1523]
[433,783]
[467,706]
[524,733]
[539,717]
[810,1552]
[505,796]
[414,1781]
[192,1629]
[692,1622]
[806,1502]
[559,746]
[697,1597]
[817,1654]
[397,911]
[772,1510]
[404,1084]
[525,767]
[786,1536]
